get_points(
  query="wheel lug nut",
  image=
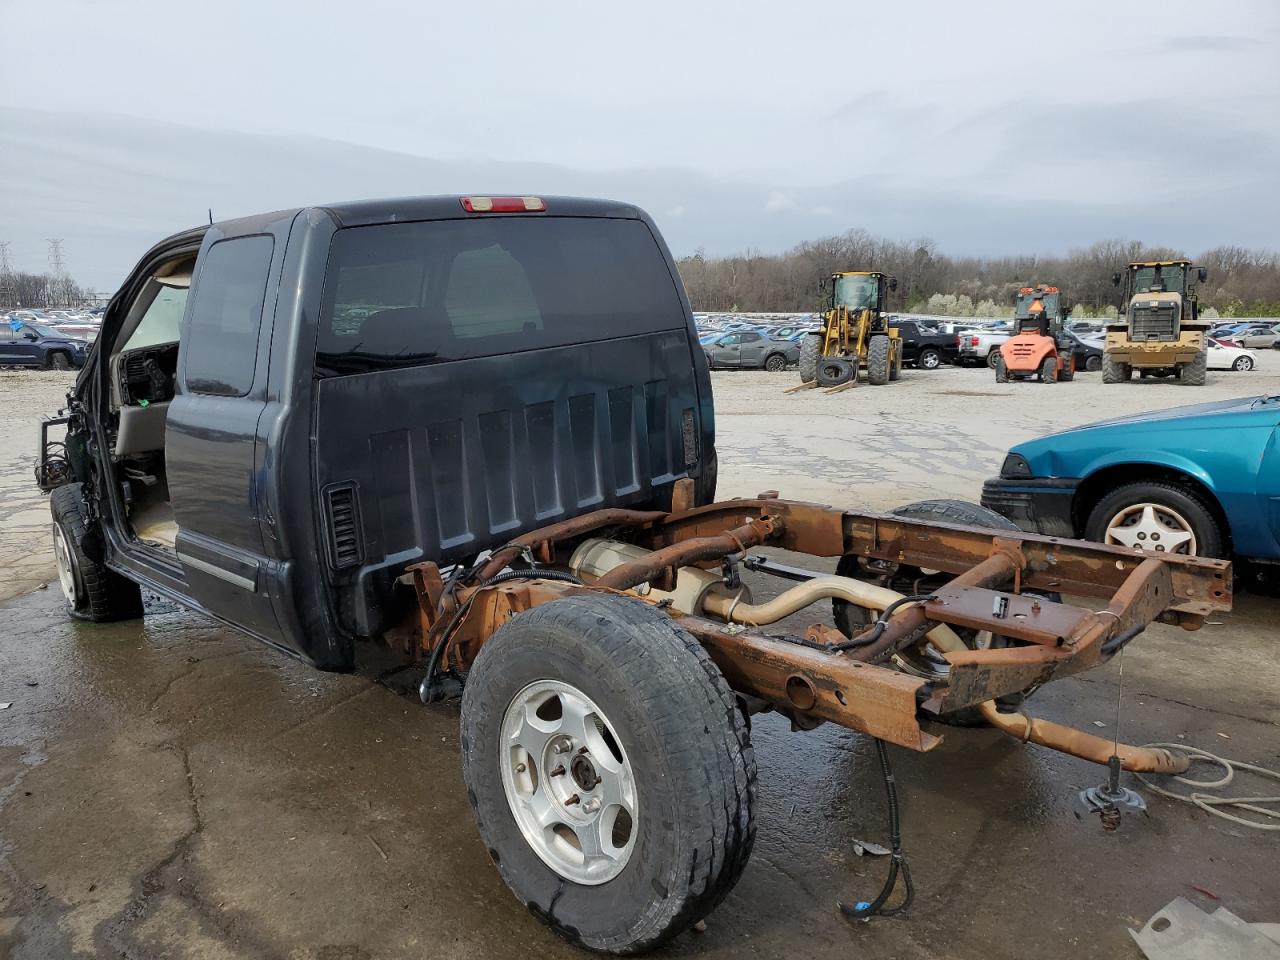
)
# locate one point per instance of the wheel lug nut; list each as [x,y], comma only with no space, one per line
[583,750]
[559,747]
[521,768]
[591,805]
[572,800]
[558,771]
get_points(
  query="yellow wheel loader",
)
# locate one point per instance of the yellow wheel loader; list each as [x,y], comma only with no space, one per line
[855,333]
[1159,332]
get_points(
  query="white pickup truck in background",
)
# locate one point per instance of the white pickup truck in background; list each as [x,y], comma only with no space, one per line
[978,346]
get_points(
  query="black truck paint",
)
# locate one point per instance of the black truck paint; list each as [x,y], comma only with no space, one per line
[302,488]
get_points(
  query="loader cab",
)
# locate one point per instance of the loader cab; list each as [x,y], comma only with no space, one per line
[1038,310]
[862,291]
[1158,297]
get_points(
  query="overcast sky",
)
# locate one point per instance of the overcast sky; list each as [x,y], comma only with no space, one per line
[803,118]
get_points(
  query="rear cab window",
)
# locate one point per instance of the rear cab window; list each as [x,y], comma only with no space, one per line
[404,294]
[221,347]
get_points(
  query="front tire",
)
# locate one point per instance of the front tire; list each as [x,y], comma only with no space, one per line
[1157,516]
[878,361]
[1242,364]
[1068,370]
[92,591]
[1193,374]
[1002,372]
[643,697]
[1093,364]
[59,361]
[1113,371]
[1049,369]
[810,353]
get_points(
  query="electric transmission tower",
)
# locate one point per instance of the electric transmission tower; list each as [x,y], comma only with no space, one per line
[59,269]
[8,296]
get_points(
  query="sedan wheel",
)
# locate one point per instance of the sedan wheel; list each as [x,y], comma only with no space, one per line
[1242,363]
[1152,526]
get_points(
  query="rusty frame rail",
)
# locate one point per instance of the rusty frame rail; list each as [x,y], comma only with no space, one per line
[812,682]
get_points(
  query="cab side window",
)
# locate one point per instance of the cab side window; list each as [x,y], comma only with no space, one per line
[221,345]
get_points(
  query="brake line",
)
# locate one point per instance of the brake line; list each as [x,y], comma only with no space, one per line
[865,910]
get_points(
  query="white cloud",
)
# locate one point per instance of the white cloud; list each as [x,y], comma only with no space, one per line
[779,201]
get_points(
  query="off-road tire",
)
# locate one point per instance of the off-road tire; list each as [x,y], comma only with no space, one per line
[852,620]
[1093,364]
[835,371]
[687,741]
[810,353]
[775,363]
[1193,374]
[1049,369]
[878,361]
[102,595]
[58,361]
[992,356]
[929,359]
[1190,503]
[1113,371]
[895,369]
[1068,371]
[1002,372]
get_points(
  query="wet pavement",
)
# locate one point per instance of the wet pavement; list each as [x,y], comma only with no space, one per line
[169,788]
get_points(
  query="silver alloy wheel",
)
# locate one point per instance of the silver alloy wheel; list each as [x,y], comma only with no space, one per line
[930,360]
[66,565]
[568,782]
[1243,363]
[1152,526]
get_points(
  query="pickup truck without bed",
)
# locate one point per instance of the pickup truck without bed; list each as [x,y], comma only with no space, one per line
[480,429]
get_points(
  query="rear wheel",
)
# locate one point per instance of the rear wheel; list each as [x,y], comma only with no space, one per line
[878,361]
[1193,374]
[929,359]
[1093,364]
[92,591]
[610,770]
[1002,372]
[993,355]
[1113,371]
[775,363]
[1068,369]
[895,368]
[1049,369]
[925,660]
[810,353]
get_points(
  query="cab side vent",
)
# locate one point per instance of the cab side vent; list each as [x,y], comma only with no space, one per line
[342,520]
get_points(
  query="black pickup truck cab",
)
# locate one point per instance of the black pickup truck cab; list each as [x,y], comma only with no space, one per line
[27,344]
[924,346]
[283,412]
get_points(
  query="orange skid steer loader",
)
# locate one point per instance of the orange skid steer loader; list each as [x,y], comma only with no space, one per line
[1035,348]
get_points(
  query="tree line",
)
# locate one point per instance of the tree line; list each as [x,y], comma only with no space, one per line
[42,290]
[1241,282]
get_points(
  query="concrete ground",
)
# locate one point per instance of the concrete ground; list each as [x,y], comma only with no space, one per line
[171,789]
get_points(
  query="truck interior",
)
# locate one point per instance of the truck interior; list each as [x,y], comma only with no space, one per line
[143,367]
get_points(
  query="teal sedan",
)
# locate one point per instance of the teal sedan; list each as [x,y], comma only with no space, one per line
[1202,480]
